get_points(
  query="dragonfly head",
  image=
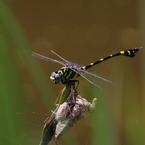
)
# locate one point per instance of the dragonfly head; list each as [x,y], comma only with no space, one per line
[56,77]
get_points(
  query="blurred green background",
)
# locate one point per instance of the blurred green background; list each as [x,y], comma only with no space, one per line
[80,31]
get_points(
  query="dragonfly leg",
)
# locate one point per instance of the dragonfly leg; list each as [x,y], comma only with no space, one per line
[73,99]
[73,83]
[76,83]
[72,103]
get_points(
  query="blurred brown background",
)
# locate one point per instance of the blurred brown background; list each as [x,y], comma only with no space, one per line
[79,27]
[84,31]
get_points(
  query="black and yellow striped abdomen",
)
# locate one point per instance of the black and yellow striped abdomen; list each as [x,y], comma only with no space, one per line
[129,53]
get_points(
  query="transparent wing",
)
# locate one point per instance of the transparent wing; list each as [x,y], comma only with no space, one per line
[90,79]
[47,58]
[68,63]
[88,76]
[96,75]
[75,67]
[59,56]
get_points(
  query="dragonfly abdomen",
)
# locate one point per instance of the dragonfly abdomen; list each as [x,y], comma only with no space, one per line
[129,53]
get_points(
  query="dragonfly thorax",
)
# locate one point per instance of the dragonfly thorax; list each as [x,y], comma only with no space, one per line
[63,75]
[56,77]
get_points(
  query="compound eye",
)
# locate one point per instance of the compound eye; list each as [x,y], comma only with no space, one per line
[52,77]
[55,77]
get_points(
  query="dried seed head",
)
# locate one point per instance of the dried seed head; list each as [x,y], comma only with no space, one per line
[81,108]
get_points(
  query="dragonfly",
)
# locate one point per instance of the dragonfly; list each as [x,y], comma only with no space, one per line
[70,70]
